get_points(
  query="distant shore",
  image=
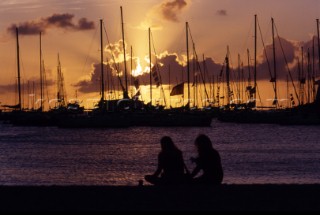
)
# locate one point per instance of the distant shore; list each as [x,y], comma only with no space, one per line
[298,198]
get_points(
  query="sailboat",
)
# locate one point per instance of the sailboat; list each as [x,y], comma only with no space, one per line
[15,109]
[132,112]
[62,106]
[309,113]
[39,117]
[104,116]
[303,114]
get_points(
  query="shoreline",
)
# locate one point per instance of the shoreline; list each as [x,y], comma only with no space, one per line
[233,197]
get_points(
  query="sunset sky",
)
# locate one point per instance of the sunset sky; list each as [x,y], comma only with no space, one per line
[71,28]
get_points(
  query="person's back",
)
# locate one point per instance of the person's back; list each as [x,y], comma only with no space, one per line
[170,165]
[209,161]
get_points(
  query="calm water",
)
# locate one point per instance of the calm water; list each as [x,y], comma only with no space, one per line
[250,154]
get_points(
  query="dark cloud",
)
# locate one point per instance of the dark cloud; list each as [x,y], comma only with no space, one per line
[222,13]
[285,53]
[171,9]
[113,53]
[12,88]
[4,89]
[168,62]
[84,24]
[290,54]
[178,72]
[60,20]
[27,28]
[93,84]
[63,21]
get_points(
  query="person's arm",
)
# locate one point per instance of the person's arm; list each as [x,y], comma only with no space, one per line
[195,171]
[159,168]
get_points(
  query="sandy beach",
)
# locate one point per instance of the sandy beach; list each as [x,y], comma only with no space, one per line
[267,198]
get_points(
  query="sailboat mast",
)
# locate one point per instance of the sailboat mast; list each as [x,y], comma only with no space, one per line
[102,67]
[188,66]
[131,68]
[228,77]
[318,42]
[41,75]
[249,70]
[255,60]
[18,67]
[239,79]
[169,71]
[313,72]
[33,96]
[303,80]
[150,77]
[58,81]
[274,65]
[308,76]
[124,56]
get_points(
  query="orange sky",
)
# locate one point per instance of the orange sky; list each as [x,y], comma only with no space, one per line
[214,25]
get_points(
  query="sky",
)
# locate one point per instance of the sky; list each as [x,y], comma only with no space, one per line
[71,28]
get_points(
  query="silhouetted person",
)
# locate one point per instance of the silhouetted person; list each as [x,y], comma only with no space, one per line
[171,166]
[208,161]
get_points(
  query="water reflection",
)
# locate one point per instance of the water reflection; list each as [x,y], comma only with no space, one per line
[250,154]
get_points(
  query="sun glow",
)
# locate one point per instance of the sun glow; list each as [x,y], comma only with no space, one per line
[138,71]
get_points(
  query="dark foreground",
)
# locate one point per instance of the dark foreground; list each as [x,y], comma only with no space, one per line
[298,198]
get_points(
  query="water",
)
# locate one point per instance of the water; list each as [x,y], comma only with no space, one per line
[250,154]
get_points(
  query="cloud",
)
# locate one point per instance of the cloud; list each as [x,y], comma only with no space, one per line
[286,58]
[11,88]
[222,13]
[116,50]
[286,52]
[92,83]
[62,21]
[178,70]
[166,62]
[167,10]
[113,69]
[149,23]
[176,64]
[171,9]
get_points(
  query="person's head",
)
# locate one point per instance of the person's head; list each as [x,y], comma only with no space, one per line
[167,144]
[203,143]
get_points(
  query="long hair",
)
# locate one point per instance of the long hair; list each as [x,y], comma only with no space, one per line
[203,143]
[167,144]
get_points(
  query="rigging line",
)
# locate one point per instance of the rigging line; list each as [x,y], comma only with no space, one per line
[231,81]
[46,83]
[231,74]
[114,60]
[91,44]
[110,84]
[158,69]
[259,95]
[197,63]
[265,53]
[286,61]
[201,75]
[113,57]
[220,77]
[245,44]
[206,70]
